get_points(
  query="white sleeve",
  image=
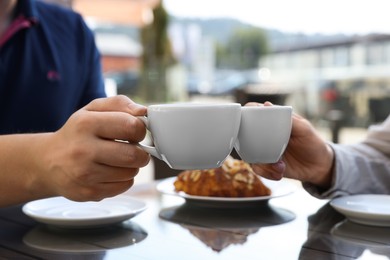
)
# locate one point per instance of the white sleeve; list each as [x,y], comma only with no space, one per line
[360,168]
[378,137]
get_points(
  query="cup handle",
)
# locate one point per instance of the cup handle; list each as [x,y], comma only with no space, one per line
[147,148]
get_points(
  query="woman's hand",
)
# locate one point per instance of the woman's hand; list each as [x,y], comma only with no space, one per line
[307,158]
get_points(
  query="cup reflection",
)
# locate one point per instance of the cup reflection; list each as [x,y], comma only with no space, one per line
[219,228]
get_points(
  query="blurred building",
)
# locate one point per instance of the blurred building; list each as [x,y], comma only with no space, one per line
[357,68]
[114,23]
[127,12]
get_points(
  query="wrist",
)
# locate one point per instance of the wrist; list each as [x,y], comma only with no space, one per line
[39,184]
[325,175]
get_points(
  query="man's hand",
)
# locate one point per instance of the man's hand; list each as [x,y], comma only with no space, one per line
[85,160]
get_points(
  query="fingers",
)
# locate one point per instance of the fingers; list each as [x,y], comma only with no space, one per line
[273,171]
[121,154]
[256,104]
[113,118]
[118,103]
[113,125]
[99,191]
[100,182]
[113,189]
[253,104]
[105,174]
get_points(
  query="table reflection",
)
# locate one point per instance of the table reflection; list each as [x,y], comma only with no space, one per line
[84,241]
[219,228]
[173,228]
[375,239]
[332,233]
[319,237]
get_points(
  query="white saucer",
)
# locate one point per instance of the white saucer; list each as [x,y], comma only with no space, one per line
[62,212]
[368,209]
[278,189]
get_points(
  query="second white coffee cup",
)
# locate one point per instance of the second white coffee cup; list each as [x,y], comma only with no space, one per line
[264,133]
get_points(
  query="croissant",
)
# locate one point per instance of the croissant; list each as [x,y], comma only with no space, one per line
[235,178]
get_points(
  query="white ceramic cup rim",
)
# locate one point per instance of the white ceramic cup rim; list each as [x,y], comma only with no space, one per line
[191,105]
[266,107]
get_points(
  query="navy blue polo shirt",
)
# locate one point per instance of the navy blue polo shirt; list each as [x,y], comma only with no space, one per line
[49,68]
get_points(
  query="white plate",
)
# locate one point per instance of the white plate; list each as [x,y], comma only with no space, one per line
[278,189]
[62,212]
[368,209]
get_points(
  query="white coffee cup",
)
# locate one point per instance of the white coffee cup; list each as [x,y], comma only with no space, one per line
[264,133]
[192,135]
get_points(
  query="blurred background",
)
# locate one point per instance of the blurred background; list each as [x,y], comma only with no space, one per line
[330,60]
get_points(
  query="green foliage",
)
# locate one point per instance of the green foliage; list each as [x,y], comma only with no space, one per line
[157,56]
[243,49]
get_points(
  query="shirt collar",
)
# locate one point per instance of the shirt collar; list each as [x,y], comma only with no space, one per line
[25,16]
[28,9]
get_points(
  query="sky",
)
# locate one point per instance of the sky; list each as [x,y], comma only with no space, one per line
[305,16]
